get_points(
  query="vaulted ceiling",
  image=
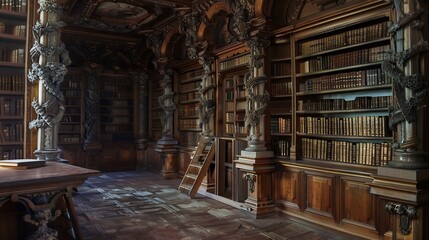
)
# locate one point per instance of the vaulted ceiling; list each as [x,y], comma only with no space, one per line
[122,16]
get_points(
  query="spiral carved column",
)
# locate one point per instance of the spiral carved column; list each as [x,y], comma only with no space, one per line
[50,59]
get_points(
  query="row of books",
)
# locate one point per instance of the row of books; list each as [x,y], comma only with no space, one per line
[116,102]
[115,129]
[117,95]
[369,77]
[241,105]
[192,86]
[70,93]
[14,5]
[376,126]
[191,74]
[13,132]
[229,128]
[189,138]
[69,128]
[16,153]
[69,138]
[364,153]
[72,102]
[234,62]
[188,110]
[229,106]
[281,125]
[241,129]
[281,88]
[366,102]
[229,117]
[67,118]
[11,106]
[12,82]
[188,96]
[281,147]
[12,55]
[115,111]
[346,38]
[13,29]
[72,81]
[188,124]
[341,60]
[73,110]
[241,92]
[280,68]
[116,120]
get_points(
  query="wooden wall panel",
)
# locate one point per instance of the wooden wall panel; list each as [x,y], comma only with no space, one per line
[153,159]
[320,194]
[287,182]
[184,160]
[357,202]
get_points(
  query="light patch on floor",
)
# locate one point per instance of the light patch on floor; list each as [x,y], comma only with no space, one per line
[220,213]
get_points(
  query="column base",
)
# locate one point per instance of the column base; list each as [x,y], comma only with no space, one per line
[409,160]
[259,169]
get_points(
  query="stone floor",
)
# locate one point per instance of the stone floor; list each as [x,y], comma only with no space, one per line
[142,205]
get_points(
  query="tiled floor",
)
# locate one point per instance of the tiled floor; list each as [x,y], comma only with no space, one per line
[142,205]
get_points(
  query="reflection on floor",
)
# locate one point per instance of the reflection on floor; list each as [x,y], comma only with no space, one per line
[142,205]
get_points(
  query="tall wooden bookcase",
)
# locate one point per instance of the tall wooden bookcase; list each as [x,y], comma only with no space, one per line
[13,15]
[338,111]
[189,76]
[232,65]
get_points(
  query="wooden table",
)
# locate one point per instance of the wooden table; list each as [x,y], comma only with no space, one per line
[39,189]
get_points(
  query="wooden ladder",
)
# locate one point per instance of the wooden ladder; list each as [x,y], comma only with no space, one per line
[198,167]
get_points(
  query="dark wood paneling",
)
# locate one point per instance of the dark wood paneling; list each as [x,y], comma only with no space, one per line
[357,202]
[288,188]
[320,194]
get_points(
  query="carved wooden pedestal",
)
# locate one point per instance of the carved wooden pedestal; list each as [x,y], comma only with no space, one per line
[407,200]
[259,169]
[168,152]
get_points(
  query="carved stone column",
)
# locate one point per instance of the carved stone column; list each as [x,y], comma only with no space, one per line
[142,119]
[402,183]
[167,145]
[49,59]
[255,161]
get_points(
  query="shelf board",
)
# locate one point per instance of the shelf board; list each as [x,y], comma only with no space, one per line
[12,143]
[358,45]
[190,129]
[282,134]
[192,79]
[14,15]
[281,114]
[11,65]
[337,137]
[282,96]
[354,89]
[190,101]
[280,77]
[21,118]
[189,117]
[273,60]
[344,111]
[334,70]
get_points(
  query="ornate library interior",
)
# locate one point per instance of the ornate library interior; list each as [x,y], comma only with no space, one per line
[306,109]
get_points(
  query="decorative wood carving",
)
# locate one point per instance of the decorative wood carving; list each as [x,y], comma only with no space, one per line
[406,214]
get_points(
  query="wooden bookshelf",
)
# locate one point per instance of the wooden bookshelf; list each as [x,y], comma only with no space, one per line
[189,81]
[342,94]
[116,108]
[155,126]
[13,15]
[281,96]
[70,130]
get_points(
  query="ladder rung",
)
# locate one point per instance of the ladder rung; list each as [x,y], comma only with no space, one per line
[186,186]
[190,175]
[196,165]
